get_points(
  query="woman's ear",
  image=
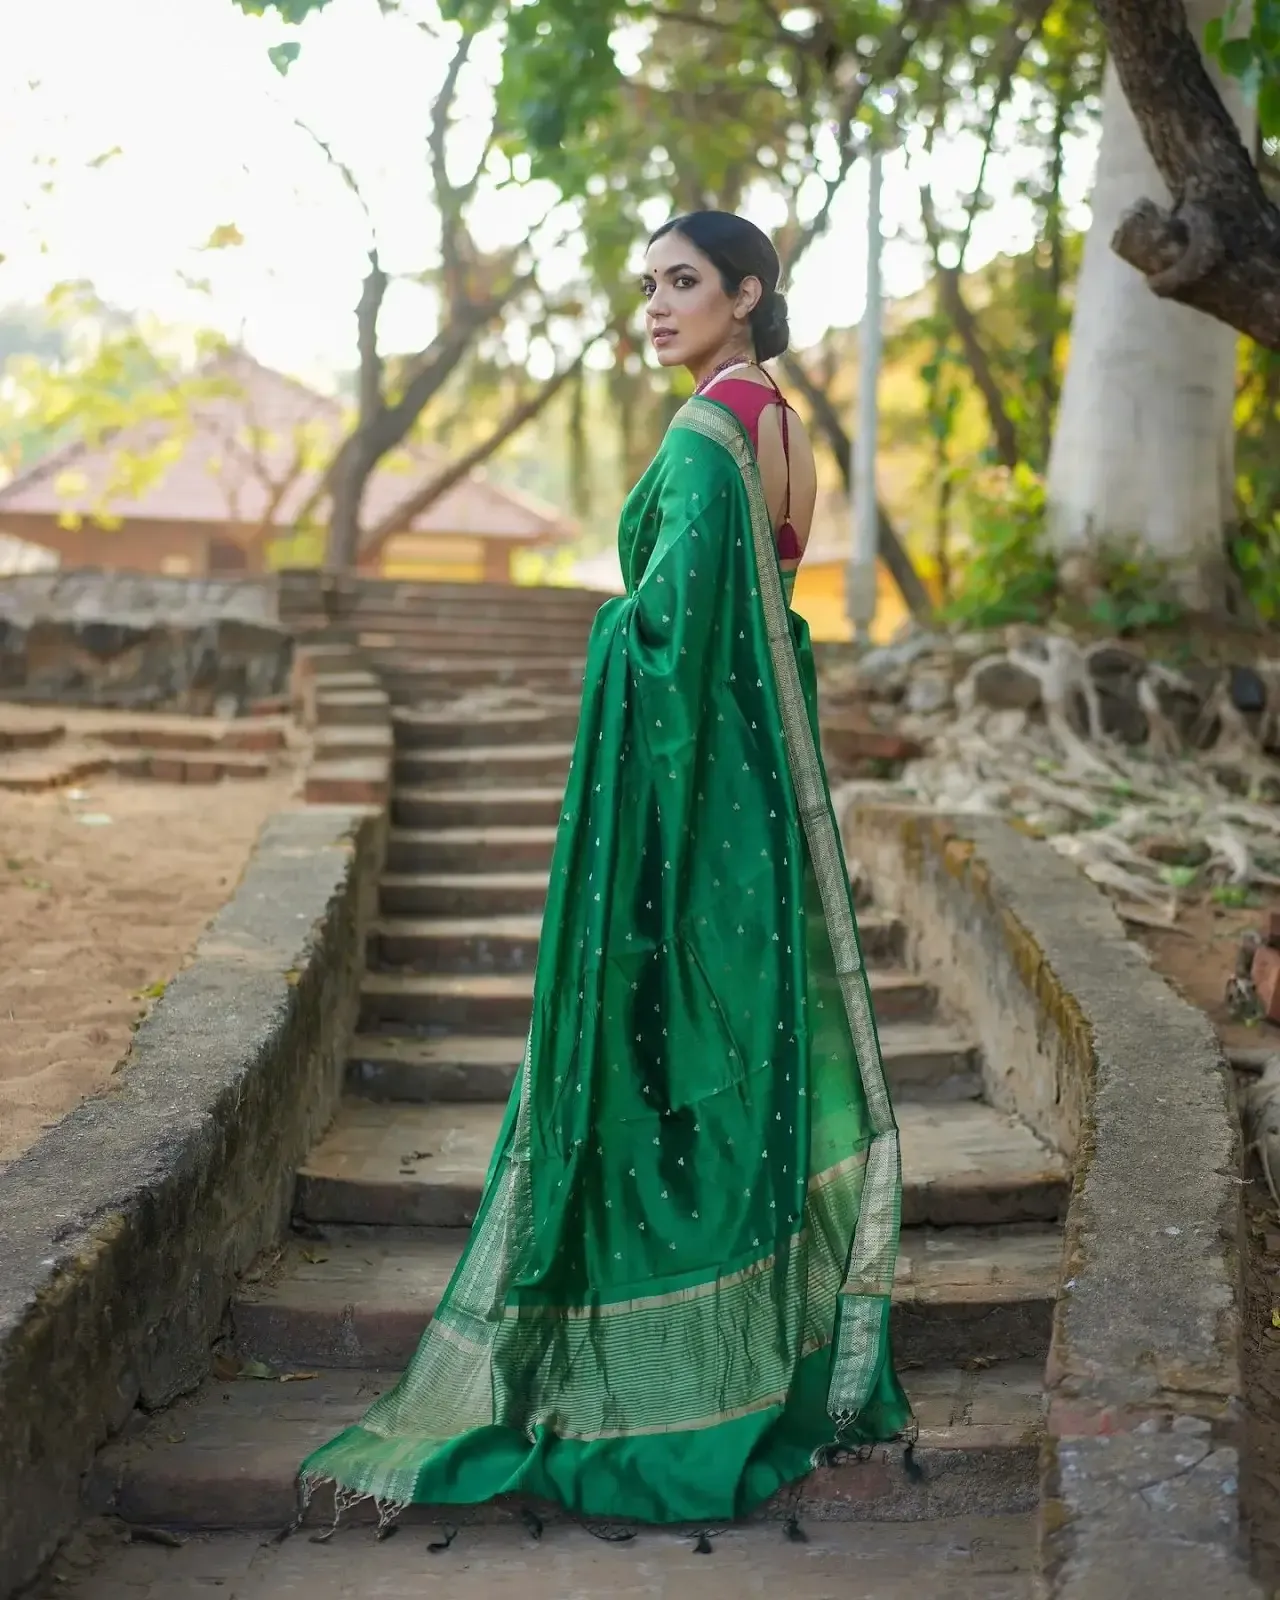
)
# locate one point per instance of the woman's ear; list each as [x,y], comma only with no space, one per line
[750,293]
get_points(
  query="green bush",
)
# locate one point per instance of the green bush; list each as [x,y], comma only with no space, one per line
[1255,556]
[1008,574]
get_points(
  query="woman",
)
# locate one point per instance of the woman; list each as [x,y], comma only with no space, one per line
[676,1295]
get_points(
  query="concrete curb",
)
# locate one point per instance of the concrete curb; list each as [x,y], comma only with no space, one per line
[1087,1044]
[123,1228]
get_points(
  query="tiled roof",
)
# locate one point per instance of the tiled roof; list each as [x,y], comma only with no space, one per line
[218,479]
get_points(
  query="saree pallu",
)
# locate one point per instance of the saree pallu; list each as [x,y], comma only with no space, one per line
[676,1294]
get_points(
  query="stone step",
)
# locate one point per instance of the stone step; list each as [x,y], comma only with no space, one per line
[502,1002]
[383,1165]
[347,742]
[518,725]
[462,894]
[464,850]
[351,708]
[509,943]
[228,1456]
[559,642]
[456,944]
[923,1061]
[407,675]
[476,808]
[517,613]
[950,1558]
[485,766]
[359,782]
[961,1294]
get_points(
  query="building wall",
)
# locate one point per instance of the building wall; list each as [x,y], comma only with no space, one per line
[173,549]
[820,600]
[433,558]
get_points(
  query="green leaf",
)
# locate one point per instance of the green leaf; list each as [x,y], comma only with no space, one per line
[283,56]
[1213,37]
[1269,106]
[1179,877]
[226,236]
[293,11]
[1236,56]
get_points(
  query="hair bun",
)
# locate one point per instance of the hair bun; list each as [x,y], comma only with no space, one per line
[770,327]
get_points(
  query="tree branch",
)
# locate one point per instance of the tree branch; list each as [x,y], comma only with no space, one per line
[455,245]
[1026,25]
[344,172]
[412,505]
[951,295]
[888,62]
[892,550]
[1218,248]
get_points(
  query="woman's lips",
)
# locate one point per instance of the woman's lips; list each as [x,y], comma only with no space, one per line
[662,335]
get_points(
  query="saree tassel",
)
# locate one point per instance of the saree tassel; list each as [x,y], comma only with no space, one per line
[911,1465]
[704,1546]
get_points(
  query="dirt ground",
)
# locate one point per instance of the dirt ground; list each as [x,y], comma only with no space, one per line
[1197,959]
[104,889]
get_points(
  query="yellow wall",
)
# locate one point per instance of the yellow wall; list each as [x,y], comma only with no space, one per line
[429,558]
[819,598]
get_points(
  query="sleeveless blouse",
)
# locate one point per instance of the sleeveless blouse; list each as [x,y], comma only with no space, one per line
[748,401]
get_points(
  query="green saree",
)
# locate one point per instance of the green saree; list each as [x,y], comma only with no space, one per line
[676,1293]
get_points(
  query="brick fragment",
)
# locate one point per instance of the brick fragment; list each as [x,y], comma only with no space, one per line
[258,739]
[1266,980]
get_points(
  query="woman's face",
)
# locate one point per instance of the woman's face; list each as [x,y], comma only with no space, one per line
[690,318]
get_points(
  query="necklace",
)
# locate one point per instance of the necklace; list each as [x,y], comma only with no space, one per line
[731,365]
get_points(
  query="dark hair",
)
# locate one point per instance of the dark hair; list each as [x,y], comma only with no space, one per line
[738,250]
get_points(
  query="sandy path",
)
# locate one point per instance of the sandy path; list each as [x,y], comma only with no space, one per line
[92,915]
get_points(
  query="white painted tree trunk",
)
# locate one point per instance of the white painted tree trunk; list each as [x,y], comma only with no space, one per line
[1143,449]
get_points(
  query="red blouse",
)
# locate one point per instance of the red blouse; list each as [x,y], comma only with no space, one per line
[748,402]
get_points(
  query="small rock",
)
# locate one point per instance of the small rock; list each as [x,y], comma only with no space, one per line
[1248,948]
[886,667]
[998,683]
[1176,850]
[928,692]
[1122,717]
[1114,665]
[1248,691]
[1181,704]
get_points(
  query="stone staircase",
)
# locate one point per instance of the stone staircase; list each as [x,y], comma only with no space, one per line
[485,690]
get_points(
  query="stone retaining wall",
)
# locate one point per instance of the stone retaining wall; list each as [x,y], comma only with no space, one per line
[1085,1042]
[122,1229]
[131,640]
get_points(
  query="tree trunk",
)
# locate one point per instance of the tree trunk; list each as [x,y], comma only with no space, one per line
[347,477]
[1218,249]
[1143,449]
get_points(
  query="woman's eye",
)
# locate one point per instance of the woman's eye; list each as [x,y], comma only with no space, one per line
[646,289]
[686,283]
